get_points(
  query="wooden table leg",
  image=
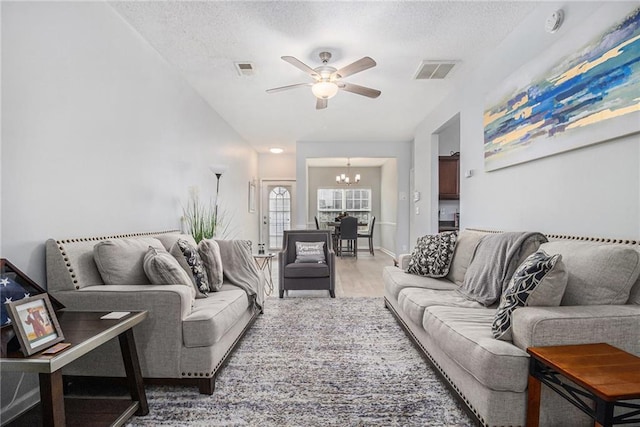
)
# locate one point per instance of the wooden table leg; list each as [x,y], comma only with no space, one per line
[132,368]
[533,402]
[52,399]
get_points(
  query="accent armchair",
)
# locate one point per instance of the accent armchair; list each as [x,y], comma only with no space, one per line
[306,276]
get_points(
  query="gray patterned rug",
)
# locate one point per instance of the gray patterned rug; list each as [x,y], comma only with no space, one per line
[316,362]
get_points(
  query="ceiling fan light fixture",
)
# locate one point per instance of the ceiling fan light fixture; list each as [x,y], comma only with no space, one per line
[324,90]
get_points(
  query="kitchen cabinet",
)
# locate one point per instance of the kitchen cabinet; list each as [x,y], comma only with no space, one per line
[449,177]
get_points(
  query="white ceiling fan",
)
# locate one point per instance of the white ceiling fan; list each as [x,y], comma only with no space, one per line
[328,79]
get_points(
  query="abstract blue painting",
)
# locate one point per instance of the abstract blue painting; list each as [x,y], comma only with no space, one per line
[588,97]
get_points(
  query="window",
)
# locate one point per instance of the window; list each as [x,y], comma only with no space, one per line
[333,201]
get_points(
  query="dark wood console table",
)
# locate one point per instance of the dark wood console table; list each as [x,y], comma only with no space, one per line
[85,331]
[606,378]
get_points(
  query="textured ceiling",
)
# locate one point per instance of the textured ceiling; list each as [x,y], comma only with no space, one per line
[202,40]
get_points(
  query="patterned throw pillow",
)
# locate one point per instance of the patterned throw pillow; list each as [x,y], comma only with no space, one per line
[163,269]
[189,259]
[432,255]
[539,281]
[310,252]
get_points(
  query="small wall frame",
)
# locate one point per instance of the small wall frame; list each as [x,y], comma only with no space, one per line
[252,196]
[35,323]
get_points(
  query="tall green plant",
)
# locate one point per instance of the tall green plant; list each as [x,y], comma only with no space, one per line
[200,219]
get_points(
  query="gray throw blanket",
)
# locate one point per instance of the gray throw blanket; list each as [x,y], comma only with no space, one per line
[493,263]
[240,269]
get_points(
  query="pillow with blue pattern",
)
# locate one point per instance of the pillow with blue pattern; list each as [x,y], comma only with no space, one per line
[539,281]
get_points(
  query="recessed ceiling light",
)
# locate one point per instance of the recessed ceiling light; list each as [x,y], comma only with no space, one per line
[276,150]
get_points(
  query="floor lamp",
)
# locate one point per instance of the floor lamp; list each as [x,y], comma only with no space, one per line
[217,170]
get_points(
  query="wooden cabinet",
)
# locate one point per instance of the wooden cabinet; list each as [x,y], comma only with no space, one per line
[449,177]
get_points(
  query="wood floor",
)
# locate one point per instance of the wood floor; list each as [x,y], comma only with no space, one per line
[361,277]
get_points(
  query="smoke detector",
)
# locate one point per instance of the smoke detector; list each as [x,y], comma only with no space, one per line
[554,21]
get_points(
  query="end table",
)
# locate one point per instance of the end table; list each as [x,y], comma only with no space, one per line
[85,331]
[605,376]
[265,263]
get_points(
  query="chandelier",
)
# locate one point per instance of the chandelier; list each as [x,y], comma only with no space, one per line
[346,178]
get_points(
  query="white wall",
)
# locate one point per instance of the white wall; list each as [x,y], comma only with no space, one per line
[99,136]
[400,150]
[593,191]
[277,166]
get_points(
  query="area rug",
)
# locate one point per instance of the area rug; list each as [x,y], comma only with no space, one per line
[316,362]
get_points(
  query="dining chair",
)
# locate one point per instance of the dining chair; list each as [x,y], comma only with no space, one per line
[348,232]
[317,223]
[369,234]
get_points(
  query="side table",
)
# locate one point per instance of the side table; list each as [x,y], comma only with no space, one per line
[265,263]
[606,377]
[85,331]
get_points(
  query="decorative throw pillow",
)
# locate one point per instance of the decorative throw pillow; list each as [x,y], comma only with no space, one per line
[210,253]
[189,259]
[163,269]
[539,281]
[432,255]
[310,252]
[120,261]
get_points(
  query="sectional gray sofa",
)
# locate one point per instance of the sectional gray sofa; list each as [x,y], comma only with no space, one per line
[183,340]
[601,304]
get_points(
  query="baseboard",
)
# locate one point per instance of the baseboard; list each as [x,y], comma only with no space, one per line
[21,405]
[388,252]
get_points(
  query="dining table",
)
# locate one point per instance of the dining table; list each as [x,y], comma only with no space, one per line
[337,224]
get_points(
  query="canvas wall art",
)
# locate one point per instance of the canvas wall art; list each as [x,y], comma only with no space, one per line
[582,98]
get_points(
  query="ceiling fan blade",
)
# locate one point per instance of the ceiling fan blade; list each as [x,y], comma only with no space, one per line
[321,103]
[282,88]
[360,90]
[360,65]
[301,66]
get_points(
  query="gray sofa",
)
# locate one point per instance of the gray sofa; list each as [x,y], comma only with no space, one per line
[601,304]
[183,340]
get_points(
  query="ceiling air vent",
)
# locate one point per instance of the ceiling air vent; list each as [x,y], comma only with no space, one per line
[245,69]
[429,70]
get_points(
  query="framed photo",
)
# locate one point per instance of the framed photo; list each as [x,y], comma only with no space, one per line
[252,196]
[35,323]
[15,285]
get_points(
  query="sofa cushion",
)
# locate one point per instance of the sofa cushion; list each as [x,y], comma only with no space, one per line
[432,255]
[189,258]
[212,317]
[169,239]
[163,269]
[466,245]
[539,281]
[396,280]
[209,251]
[310,252]
[599,273]
[120,261]
[464,334]
[301,270]
[413,301]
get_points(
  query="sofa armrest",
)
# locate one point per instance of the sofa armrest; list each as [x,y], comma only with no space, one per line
[159,338]
[566,325]
[403,261]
